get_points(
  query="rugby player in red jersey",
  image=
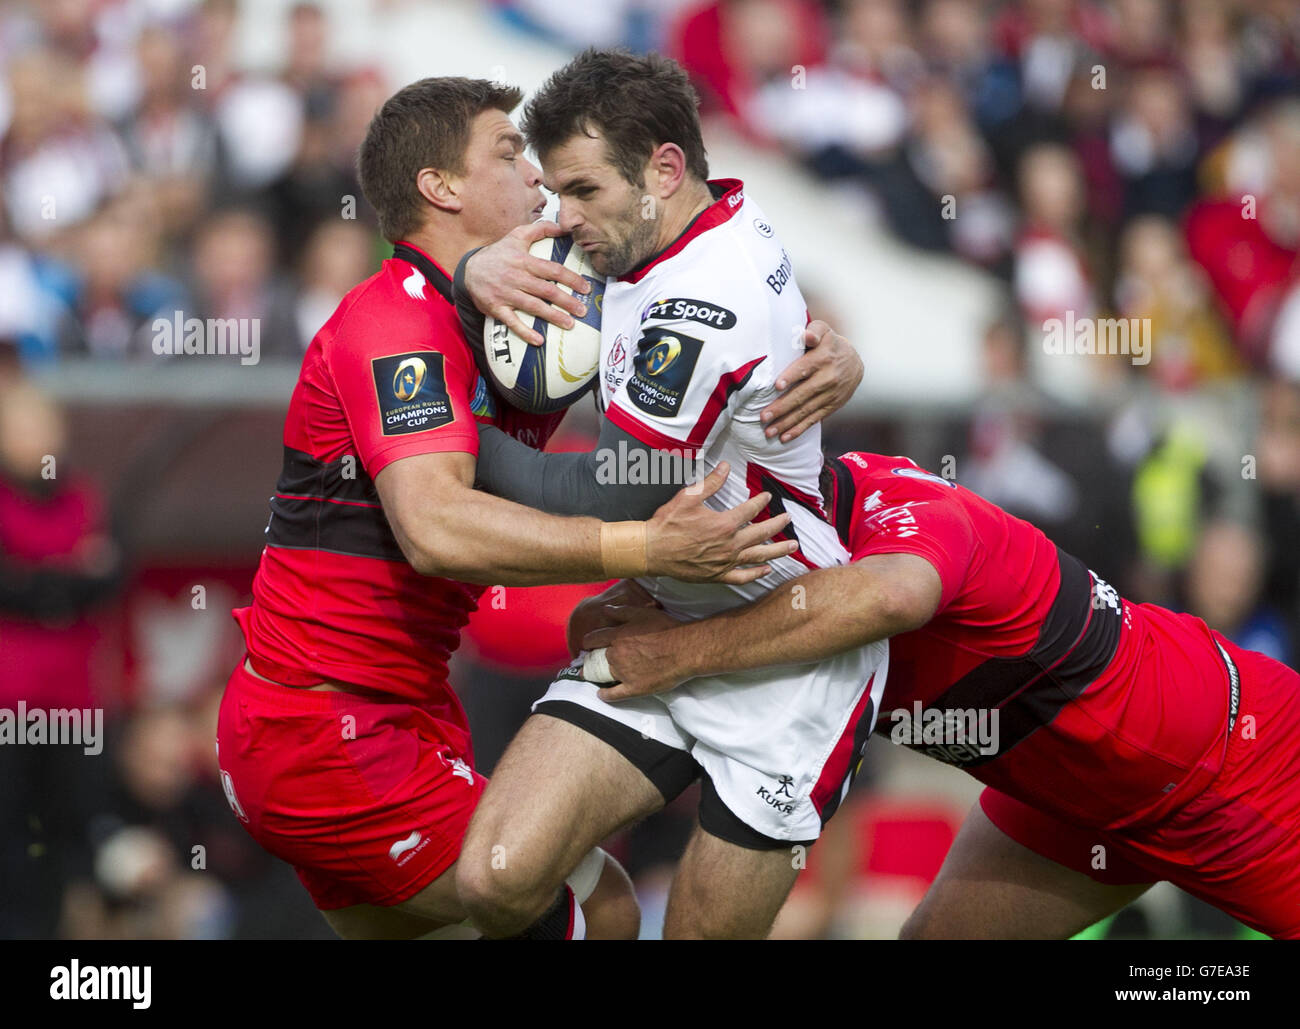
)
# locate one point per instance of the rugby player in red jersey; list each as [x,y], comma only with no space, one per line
[1130,744]
[342,747]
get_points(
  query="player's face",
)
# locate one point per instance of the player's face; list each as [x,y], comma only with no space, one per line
[614,221]
[502,188]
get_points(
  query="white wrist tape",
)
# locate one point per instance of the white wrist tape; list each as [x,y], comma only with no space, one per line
[595,666]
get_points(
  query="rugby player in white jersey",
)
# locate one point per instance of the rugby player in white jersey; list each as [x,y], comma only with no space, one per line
[700,315]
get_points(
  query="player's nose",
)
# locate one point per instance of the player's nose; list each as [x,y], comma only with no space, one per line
[569,217]
[532,174]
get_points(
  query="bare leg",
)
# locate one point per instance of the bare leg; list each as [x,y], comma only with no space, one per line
[611,910]
[991,887]
[435,906]
[724,891]
[556,793]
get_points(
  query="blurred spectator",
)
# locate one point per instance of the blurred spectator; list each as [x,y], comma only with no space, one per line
[1044,40]
[148,877]
[1277,451]
[949,157]
[1005,463]
[1154,144]
[1224,585]
[1051,276]
[1061,475]
[97,37]
[322,181]
[306,68]
[1248,240]
[338,255]
[235,276]
[258,118]
[732,48]
[58,561]
[170,138]
[1210,56]
[58,564]
[1271,46]
[1157,282]
[212,49]
[1052,280]
[1172,490]
[113,293]
[875,39]
[259,121]
[168,860]
[57,160]
[30,308]
[1141,33]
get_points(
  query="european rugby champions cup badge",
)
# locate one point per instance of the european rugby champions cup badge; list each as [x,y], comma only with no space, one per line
[662,370]
[412,392]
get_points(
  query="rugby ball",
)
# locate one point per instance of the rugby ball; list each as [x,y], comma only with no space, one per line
[550,377]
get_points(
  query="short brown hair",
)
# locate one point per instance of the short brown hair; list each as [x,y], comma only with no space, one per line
[636,102]
[423,125]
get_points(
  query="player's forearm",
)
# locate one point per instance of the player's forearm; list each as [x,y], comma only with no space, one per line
[815,617]
[476,537]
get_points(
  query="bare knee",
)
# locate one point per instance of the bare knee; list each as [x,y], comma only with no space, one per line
[502,897]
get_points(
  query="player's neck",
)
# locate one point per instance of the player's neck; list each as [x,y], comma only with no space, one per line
[681,210]
[445,245]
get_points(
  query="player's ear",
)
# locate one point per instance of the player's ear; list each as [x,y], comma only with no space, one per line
[440,189]
[667,170]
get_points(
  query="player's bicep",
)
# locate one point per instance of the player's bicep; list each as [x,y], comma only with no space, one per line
[417,494]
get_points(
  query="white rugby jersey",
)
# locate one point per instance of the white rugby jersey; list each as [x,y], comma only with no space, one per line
[692,343]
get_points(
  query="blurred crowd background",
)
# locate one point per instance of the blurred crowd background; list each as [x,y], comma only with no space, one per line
[1013,161]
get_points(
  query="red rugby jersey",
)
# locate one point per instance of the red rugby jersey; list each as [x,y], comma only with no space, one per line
[388,376]
[1107,711]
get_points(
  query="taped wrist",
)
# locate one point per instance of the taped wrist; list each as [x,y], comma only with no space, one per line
[623,549]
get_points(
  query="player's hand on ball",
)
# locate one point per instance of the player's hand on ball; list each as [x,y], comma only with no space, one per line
[687,540]
[816,385]
[504,279]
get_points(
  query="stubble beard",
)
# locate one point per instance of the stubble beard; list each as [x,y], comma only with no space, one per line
[637,244]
